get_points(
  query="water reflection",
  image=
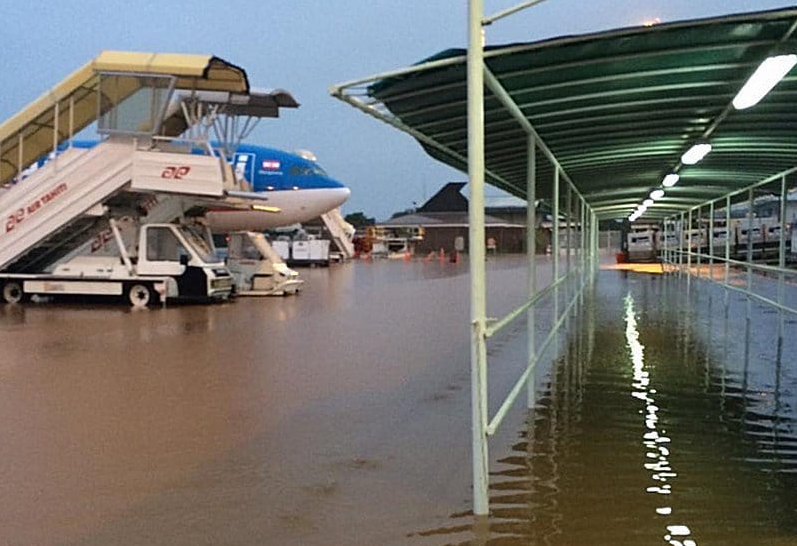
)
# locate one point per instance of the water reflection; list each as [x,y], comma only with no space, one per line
[655,441]
[702,380]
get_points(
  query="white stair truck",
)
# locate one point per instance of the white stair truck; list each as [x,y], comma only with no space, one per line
[164,262]
[257,269]
[341,231]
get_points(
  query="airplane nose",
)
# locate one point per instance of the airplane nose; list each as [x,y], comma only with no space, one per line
[342,194]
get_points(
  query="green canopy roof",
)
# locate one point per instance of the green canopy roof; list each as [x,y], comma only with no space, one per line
[617,109]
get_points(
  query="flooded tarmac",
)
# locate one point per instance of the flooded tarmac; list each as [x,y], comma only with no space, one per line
[670,419]
[342,416]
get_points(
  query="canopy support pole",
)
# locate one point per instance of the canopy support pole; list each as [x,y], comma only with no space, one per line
[476,250]
[531,250]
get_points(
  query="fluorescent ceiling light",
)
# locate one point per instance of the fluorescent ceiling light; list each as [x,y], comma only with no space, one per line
[670,180]
[695,153]
[766,76]
[656,194]
[647,202]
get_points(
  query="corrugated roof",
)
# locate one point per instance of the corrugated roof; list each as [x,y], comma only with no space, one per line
[616,108]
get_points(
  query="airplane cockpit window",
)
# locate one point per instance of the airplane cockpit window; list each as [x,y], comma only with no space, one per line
[306,170]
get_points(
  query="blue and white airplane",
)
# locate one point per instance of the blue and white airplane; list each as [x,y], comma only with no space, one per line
[296,188]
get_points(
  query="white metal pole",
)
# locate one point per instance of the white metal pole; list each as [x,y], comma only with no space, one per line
[56,115]
[583,242]
[19,157]
[711,241]
[689,239]
[749,259]
[568,233]
[531,248]
[727,250]
[749,238]
[582,233]
[728,237]
[71,120]
[594,228]
[681,245]
[699,239]
[478,296]
[555,250]
[782,255]
[569,242]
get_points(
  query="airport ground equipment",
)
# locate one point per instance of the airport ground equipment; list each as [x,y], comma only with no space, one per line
[257,269]
[341,231]
[153,113]
[303,250]
[162,262]
[310,251]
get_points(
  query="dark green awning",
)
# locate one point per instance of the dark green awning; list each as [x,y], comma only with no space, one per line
[617,109]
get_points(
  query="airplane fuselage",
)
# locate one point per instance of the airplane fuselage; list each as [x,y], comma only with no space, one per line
[296,189]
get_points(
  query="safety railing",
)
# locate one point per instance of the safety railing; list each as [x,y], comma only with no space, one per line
[570,212]
[733,250]
[576,213]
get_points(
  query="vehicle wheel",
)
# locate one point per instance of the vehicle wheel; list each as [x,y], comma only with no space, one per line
[140,295]
[13,293]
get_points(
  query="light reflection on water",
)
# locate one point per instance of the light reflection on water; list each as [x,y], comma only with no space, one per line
[658,445]
[708,390]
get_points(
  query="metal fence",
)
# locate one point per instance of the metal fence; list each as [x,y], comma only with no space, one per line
[707,243]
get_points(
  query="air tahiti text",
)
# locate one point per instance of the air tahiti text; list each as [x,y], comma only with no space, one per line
[34,206]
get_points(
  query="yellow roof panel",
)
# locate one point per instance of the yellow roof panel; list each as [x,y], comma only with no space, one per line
[35,123]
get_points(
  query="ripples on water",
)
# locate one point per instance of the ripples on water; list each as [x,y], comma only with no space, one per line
[670,419]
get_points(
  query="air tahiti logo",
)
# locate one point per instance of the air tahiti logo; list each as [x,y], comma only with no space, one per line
[34,206]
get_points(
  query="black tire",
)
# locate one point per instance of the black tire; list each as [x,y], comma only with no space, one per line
[140,295]
[13,292]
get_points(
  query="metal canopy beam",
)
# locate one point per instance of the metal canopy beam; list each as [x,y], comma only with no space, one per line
[616,108]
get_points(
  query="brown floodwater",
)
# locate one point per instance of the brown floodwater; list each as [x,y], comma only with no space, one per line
[341,416]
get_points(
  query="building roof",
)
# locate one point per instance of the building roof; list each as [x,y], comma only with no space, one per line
[448,199]
[443,219]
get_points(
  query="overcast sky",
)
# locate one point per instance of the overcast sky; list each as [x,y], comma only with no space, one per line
[305,46]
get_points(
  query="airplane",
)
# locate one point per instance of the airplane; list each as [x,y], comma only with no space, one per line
[295,187]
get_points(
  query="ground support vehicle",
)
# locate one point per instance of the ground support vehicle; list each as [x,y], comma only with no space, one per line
[257,269]
[165,261]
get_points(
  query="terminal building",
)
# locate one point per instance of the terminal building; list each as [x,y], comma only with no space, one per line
[444,218]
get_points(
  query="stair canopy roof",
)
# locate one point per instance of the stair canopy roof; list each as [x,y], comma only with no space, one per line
[72,104]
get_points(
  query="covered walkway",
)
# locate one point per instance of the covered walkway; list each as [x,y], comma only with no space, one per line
[656,124]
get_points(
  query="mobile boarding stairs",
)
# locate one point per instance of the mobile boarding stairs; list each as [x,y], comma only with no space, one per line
[49,209]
